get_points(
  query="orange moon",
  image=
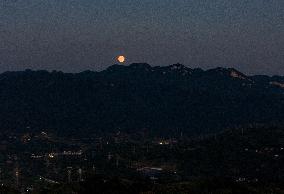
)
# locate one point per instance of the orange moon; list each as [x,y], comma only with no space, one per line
[121,58]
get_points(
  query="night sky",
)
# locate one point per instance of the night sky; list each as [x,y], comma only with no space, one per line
[76,35]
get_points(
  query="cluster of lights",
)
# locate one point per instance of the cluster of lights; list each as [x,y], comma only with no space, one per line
[164,143]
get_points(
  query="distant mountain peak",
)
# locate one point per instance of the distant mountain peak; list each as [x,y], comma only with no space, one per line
[236,74]
[180,68]
[233,73]
[274,83]
[177,66]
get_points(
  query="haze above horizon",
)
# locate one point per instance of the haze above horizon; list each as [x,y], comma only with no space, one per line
[73,35]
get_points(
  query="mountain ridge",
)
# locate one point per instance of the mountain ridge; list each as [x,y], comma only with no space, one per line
[163,100]
[146,66]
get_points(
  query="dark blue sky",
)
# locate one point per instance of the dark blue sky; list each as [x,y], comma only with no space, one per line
[75,35]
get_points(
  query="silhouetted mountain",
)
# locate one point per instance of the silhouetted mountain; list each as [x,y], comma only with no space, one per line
[130,98]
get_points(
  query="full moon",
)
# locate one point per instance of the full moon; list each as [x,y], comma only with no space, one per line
[121,58]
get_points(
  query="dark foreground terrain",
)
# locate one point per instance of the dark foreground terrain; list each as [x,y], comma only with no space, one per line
[245,160]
